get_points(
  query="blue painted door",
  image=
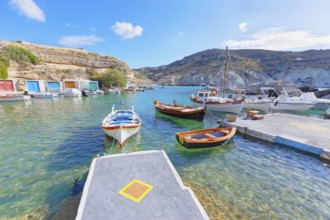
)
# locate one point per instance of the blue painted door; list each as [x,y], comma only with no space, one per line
[53,86]
[33,86]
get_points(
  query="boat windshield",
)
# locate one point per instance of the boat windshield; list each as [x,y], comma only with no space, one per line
[203,94]
[124,112]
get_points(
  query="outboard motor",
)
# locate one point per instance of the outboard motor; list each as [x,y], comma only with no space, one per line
[83,93]
[26,93]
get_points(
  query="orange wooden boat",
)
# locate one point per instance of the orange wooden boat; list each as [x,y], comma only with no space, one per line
[205,138]
[181,111]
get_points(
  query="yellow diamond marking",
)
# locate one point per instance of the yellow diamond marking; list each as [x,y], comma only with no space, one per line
[309,126]
[135,190]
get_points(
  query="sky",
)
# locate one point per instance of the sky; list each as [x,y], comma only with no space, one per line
[152,33]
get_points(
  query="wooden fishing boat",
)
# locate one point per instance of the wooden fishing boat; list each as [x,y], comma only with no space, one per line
[213,102]
[181,111]
[121,124]
[205,138]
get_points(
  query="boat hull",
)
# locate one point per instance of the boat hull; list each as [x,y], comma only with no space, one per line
[322,105]
[263,106]
[121,132]
[198,145]
[231,107]
[195,114]
[14,98]
[44,95]
[205,138]
[291,106]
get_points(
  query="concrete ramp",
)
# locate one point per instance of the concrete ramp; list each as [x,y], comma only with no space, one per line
[304,133]
[142,185]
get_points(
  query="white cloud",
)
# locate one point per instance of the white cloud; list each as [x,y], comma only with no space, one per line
[70,25]
[279,39]
[243,26]
[78,41]
[29,8]
[126,30]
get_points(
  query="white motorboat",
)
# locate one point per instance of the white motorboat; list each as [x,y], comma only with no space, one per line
[44,95]
[259,104]
[287,102]
[263,100]
[213,102]
[295,93]
[114,91]
[73,92]
[327,113]
[13,98]
[94,92]
[121,124]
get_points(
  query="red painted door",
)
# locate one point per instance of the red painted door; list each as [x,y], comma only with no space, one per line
[6,86]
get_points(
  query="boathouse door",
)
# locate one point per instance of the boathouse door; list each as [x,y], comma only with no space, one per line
[53,86]
[33,86]
[6,86]
[93,86]
[70,85]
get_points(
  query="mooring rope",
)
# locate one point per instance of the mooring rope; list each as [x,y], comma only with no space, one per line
[113,142]
[212,115]
[147,125]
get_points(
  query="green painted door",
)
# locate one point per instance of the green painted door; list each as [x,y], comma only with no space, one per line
[93,86]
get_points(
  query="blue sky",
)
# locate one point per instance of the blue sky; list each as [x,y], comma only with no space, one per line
[149,33]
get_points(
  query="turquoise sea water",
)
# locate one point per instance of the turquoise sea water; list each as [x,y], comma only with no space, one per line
[46,144]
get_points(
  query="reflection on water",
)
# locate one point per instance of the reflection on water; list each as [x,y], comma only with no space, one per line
[46,144]
[186,124]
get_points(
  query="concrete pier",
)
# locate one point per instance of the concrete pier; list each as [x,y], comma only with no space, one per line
[141,185]
[304,133]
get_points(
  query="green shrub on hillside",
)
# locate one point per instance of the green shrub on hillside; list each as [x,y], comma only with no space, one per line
[141,75]
[19,54]
[3,71]
[112,77]
[4,64]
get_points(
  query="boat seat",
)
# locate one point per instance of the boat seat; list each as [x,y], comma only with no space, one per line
[198,136]
[257,117]
[210,135]
[251,113]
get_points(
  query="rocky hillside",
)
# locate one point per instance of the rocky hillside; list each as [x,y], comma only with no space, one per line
[247,68]
[62,63]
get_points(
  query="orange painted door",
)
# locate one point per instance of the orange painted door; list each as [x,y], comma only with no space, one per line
[70,85]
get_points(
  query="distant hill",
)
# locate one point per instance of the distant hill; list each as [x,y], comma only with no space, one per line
[248,68]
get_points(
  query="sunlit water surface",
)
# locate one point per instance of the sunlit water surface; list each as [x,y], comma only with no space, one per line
[46,144]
